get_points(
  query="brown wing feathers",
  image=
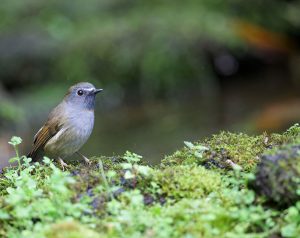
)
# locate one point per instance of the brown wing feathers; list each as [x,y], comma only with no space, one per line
[42,137]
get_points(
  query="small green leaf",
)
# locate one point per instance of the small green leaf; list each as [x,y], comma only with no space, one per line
[14,159]
[132,157]
[128,175]
[126,166]
[289,230]
[144,170]
[189,144]
[201,148]
[15,141]
[46,160]
[4,215]
[111,174]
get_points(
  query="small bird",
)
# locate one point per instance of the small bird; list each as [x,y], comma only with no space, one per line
[69,125]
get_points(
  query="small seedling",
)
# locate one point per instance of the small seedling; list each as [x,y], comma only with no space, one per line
[15,141]
[197,150]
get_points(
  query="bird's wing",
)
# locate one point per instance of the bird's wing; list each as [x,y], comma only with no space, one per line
[50,129]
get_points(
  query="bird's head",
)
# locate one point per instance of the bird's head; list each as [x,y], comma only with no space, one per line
[82,95]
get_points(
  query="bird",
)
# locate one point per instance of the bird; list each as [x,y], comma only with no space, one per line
[68,127]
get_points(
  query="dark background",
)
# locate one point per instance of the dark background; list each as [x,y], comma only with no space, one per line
[171,70]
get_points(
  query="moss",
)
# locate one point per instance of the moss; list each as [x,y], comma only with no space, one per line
[240,148]
[278,175]
[226,149]
[292,135]
[187,182]
[182,156]
[69,229]
[193,192]
[88,176]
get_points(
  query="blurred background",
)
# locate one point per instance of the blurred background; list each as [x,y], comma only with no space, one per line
[171,70]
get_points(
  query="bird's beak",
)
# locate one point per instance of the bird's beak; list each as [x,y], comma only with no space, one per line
[98,90]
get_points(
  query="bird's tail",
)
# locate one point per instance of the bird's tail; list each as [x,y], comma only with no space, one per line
[33,155]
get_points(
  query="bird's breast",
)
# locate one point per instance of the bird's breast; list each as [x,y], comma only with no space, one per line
[81,124]
[75,132]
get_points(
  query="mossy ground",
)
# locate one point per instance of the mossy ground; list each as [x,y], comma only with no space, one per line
[202,190]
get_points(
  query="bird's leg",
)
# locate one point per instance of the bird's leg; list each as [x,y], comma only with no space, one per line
[86,160]
[62,163]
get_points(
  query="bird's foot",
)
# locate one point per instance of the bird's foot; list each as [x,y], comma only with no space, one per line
[86,160]
[62,164]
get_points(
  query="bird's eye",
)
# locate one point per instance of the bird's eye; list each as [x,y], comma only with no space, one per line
[80,92]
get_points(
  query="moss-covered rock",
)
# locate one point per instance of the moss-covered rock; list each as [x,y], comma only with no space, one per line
[199,191]
[225,150]
[278,175]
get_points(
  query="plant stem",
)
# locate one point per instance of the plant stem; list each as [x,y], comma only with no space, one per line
[17,154]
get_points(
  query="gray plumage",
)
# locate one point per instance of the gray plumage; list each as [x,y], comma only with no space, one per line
[69,124]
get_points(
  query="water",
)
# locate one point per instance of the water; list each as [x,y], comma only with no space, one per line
[152,130]
[158,128]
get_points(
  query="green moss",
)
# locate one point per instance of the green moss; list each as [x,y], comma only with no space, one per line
[187,181]
[182,156]
[192,193]
[89,176]
[240,149]
[226,149]
[292,135]
[69,230]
